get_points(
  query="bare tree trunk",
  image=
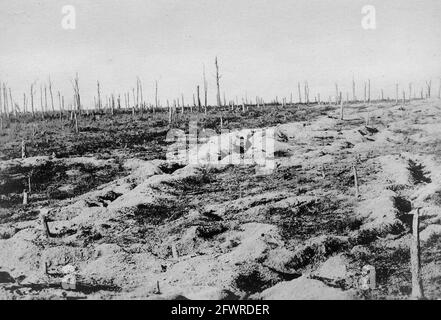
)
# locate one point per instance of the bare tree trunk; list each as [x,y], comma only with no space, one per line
[369,91]
[205,91]
[14,109]
[429,87]
[300,93]
[76,123]
[199,99]
[140,95]
[52,97]
[77,99]
[45,99]
[46,231]
[32,100]
[217,84]
[59,103]
[353,90]
[306,92]
[365,93]
[99,94]
[341,109]
[156,94]
[439,89]
[356,181]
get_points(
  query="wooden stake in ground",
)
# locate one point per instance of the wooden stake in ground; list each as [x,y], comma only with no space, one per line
[43,220]
[174,251]
[341,109]
[417,286]
[23,149]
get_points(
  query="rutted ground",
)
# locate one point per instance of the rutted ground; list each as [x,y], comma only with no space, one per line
[227,232]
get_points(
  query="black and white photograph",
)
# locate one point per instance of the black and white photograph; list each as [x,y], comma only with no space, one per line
[238,151]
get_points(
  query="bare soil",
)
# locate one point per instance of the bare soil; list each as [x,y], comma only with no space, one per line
[136,226]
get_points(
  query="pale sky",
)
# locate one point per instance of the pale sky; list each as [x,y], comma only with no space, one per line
[264,47]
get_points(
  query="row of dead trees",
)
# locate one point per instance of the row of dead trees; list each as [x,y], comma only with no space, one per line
[134,100]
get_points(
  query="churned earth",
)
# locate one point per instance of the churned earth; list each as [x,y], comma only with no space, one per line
[135,225]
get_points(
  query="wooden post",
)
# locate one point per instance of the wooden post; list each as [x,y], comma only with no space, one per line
[355,181]
[417,286]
